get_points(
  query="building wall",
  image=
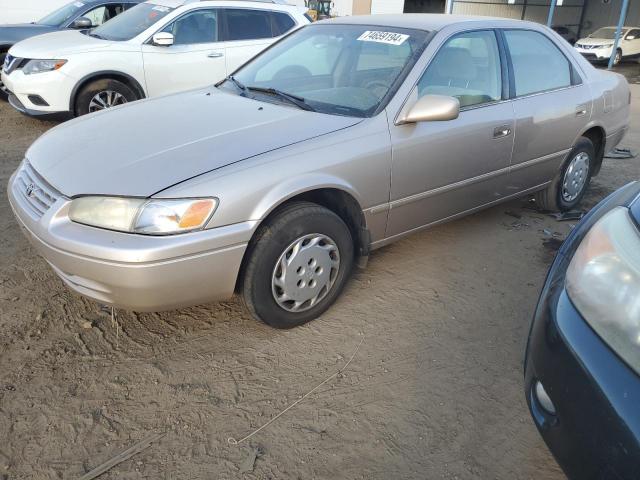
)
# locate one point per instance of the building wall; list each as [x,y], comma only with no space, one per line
[535,10]
[599,14]
[13,11]
[387,6]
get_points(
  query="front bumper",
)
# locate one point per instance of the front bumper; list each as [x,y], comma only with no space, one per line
[595,54]
[134,272]
[595,433]
[54,88]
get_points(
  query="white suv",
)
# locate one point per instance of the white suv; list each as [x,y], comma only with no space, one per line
[155,48]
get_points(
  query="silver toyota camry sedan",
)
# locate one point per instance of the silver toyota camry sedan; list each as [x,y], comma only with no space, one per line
[342,137]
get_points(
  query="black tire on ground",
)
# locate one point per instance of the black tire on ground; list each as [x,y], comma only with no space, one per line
[3,96]
[618,58]
[271,241]
[552,198]
[88,92]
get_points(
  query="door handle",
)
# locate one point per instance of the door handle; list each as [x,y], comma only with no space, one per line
[215,55]
[581,110]
[502,131]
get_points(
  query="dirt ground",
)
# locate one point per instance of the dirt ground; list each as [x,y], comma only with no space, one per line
[434,391]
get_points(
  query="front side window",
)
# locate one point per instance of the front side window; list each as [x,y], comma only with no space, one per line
[538,64]
[200,26]
[468,68]
[132,23]
[102,14]
[246,24]
[63,15]
[338,69]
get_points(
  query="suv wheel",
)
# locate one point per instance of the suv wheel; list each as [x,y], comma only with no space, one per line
[297,265]
[103,94]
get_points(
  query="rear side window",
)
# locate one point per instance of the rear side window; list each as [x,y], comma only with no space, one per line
[538,64]
[247,24]
[282,23]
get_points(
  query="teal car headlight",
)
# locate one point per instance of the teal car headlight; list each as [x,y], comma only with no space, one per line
[40,66]
[143,216]
[603,282]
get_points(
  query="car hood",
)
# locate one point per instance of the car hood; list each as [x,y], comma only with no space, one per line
[148,146]
[594,41]
[58,44]
[10,34]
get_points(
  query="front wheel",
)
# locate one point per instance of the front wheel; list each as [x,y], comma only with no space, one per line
[297,265]
[569,186]
[103,94]
[618,58]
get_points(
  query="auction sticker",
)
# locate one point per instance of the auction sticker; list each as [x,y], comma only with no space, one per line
[389,38]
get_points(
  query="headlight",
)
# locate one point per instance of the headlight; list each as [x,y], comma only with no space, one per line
[150,217]
[603,281]
[39,66]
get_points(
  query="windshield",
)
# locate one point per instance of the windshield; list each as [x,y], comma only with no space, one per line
[608,33]
[336,69]
[62,15]
[132,22]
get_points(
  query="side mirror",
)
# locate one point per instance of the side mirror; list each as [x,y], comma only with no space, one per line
[432,108]
[82,23]
[163,39]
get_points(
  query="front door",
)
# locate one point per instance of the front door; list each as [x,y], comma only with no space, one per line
[196,59]
[631,43]
[441,169]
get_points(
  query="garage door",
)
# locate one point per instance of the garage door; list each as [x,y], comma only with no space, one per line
[14,11]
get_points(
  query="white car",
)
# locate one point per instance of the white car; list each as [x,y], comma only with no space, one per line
[155,48]
[599,45]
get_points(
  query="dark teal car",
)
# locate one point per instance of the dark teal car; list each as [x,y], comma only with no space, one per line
[582,367]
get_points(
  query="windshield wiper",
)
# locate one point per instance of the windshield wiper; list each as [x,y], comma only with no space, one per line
[294,99]
[237,83]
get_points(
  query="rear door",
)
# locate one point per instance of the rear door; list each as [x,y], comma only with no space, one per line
[196,59]
[551,104]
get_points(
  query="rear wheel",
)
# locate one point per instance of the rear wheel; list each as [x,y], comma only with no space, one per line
[103,94]
[569,186]
[297,265]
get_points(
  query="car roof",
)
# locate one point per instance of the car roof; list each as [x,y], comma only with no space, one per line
[418,21]
[180,3]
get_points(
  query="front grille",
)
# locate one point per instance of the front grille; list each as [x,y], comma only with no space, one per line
[34,191]
[12,63]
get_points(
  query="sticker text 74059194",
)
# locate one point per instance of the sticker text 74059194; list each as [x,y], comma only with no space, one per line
[390,38]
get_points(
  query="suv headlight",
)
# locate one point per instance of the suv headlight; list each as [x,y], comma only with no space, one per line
[144,216]
[39,66]
[603,282]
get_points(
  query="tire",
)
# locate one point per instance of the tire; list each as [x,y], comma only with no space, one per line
[3,95]
[264,282]
[97,95]
[618,58]
[561,195]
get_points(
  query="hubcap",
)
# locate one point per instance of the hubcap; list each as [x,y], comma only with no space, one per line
[305,272]
[575,177]
[106,99]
